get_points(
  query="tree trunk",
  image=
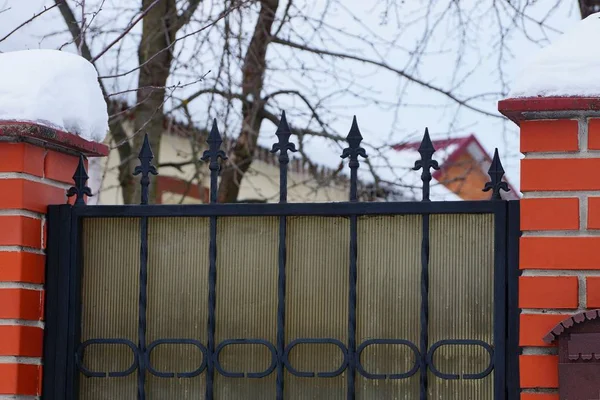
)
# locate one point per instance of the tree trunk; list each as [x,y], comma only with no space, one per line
[253,72]
[158,32]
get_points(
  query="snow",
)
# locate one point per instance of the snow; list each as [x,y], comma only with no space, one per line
[568,67]
[55,89]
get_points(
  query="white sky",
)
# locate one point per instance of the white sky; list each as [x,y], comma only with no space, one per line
[375,121]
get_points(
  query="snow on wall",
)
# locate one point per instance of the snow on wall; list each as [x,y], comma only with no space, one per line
[55,89]
[568,67]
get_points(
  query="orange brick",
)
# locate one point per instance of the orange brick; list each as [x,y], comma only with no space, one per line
[560,174]
[538,371]
[22,157]
[60,166]
[16,266]
[550,214]
[593,221]
[549,135]
[20,231]
[594,134]
[539,396]
[592,287]
[559,253]
[548,292]
[23,341]
[23,379]
[28,195]
[533,327]
[21,304]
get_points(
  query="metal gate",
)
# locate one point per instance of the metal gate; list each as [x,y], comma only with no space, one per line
[370,300]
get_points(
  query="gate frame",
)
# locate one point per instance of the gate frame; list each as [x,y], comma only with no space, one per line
[64,261]
[63,279]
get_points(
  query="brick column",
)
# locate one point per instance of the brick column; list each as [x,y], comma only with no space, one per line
[36,168]
[560,220]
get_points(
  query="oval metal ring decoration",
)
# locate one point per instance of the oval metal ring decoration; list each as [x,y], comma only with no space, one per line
[372,342]
[229,342]
[462,342]
[93,374]
[305,374]
[190,374]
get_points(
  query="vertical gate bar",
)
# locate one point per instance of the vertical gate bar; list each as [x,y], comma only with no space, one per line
[212,155]
[57,302]
[500,224]
[512,273]
[426,162]
[142,304]
[281,307]
[74,327]
[424,334]
[352,152]
[212,299]
[352,304]
[283,133]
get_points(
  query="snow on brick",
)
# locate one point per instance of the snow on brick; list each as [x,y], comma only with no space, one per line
[568,67]
[55,89]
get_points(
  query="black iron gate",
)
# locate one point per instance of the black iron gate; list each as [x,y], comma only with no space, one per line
[344,305]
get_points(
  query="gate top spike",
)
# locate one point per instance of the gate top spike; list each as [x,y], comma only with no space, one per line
[145,168]
[354,137]
[426,162]
[354,150]
[214,151]
[496,173]
[283,133]
[80,178]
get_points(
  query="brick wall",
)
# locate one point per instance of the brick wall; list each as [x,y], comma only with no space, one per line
[33,175]
[560,218]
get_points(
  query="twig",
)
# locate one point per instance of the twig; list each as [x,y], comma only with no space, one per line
[126,31]
[31,19]
[220,17]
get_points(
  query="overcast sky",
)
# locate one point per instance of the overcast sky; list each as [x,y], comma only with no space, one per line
[375,121]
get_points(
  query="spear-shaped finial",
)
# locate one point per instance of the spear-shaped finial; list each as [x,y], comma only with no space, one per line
[426,162]
[496,173]
[80,178]
[145,168]
[284,145]
[352,152]
[212,155]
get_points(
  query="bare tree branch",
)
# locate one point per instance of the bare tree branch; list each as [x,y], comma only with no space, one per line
[46,9]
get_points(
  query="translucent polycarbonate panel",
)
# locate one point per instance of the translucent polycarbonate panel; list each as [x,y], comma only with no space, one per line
[388,303]
[177,303]
[461,299]
[317,303]
[110,290]
[247,271]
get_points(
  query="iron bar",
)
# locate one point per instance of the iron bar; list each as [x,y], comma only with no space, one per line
[424,315]
[426,162]
[500,284]
[352,152]
[212,155]
[283,146]
[142,304]
[289,209]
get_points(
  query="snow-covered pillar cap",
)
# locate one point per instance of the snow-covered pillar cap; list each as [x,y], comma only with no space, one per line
[561,78]
[52,97]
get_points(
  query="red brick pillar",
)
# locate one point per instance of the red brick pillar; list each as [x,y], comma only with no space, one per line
[560,218]
[36,169]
